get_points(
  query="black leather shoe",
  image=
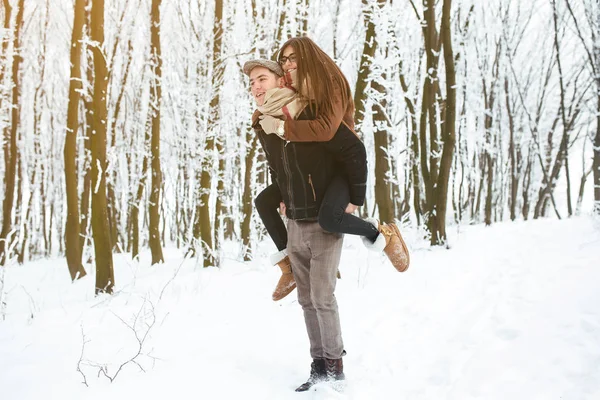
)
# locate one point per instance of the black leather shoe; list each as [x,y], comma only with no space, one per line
[334,369]
[318,373]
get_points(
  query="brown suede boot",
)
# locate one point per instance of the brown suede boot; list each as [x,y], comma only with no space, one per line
[391,243]
[395,248]
[286,283]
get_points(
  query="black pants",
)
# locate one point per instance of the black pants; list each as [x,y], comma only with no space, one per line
[332,215]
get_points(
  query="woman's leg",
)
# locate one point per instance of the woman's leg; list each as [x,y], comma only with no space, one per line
[333,216]
[267,203]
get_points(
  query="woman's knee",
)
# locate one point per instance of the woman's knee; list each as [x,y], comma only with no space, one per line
[330,217]
[266,200]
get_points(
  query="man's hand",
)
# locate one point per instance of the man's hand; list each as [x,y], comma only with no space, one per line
[271,125]
[282,207]
[350,208]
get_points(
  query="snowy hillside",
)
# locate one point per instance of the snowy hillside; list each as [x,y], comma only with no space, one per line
[509,312]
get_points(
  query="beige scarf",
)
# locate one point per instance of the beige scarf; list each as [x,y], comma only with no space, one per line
[284,101]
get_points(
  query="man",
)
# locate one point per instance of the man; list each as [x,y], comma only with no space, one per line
[314,253]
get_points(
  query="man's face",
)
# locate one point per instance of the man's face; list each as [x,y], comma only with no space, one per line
[261,80]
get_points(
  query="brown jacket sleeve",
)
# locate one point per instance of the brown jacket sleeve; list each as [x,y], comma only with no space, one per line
[321,129]
[255,116]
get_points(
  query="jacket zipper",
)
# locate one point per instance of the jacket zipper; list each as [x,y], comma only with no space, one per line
[312,187]
[288,173]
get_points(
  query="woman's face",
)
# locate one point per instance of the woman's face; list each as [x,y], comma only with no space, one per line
[288,60]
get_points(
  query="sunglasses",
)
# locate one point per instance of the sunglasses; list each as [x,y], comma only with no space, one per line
[284,59]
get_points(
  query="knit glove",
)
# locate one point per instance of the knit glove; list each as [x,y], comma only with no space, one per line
[272,125]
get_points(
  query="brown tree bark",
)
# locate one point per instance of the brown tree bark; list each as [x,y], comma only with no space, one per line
[137,204]
[414,146]
[449,124]
[364,69]
[428,117]
[203,227]
[489,100]
[247,205]
[593,58]
[383,189]
[87,167]
[72,227]
[512,154]
[155,103]
[436,171]
[7,13]
[11,142]
[105,278]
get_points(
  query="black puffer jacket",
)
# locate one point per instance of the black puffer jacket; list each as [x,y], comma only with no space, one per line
[303,170]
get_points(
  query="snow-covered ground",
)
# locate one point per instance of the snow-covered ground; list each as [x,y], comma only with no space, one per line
[510,312]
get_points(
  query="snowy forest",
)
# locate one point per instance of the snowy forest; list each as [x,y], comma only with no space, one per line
[126,123]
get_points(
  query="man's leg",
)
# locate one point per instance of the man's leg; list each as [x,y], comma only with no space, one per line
[326,249]
[300,255]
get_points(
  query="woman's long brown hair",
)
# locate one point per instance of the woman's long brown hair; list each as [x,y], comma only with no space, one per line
[326,80]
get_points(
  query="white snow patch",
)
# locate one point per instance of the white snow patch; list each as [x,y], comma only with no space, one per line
[509,312]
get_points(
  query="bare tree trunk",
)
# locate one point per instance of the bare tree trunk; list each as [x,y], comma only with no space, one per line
[87,170]
[72,228]
[526,185]
[593,57]
[247,196]
[429,167]
[11,140]
[562,107]
[105,278]
[514,179]
[551,176]
[596,163]
[449,125]
[414,146]
[383,188]
[302,17]
[203,227]
[7,12]
[364,69]
[336,19]
[135,209]
[155,102]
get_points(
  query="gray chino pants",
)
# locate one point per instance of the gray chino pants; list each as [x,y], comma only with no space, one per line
[315,256]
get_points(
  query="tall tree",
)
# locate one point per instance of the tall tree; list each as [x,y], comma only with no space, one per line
[105,278]
[364,68]
[596,164]
[436,170]
[11,151]
[449,121]
[381,126]
[252,143]
[155,102]
[6,13]
[203,227]
[591,45]
[72,228]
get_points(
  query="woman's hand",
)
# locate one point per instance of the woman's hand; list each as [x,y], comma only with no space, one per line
[282,207]
[271,125]
[351,208]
